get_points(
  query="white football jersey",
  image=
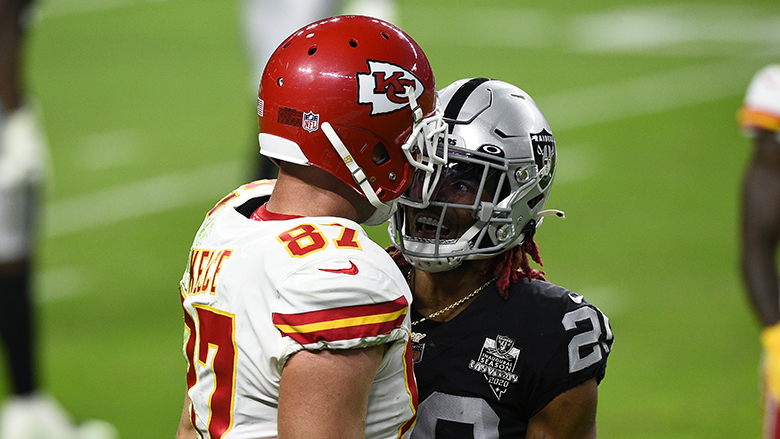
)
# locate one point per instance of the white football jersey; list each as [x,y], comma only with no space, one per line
[255,292]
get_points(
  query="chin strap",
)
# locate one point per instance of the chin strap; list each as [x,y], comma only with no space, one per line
[383,211]
[425,135]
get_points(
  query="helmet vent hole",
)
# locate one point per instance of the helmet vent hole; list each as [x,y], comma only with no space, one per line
[380,155]
[312,50]
[385,35]
[280,81]
[353,43]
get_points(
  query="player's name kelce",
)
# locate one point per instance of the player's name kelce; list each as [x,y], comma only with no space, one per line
[205,265]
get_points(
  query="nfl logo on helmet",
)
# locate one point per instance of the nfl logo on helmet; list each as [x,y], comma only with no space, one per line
[311,121]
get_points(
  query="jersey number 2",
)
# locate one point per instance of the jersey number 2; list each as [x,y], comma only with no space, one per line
[211,353]
[587,340]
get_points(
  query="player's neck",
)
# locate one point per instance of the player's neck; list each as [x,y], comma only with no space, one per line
[294,194]
[435,291]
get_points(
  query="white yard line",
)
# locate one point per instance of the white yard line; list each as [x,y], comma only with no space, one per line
[631,29]
[643,29]
[141,198]
[651,94]
[61,8]
[58,283]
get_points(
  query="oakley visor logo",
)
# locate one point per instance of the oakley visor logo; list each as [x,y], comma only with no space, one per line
[384,87]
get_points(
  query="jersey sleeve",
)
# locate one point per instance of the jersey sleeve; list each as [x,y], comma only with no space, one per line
[580,340]
[342,303]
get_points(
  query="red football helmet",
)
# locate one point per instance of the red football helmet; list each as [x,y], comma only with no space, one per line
[354,96]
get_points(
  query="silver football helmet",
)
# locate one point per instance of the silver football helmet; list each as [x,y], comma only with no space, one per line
[491,194]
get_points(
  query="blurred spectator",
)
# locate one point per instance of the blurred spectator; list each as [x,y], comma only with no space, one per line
[27,413]
[759,118]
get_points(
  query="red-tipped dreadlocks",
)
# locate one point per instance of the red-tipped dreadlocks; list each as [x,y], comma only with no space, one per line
[512,265]
[397,256]
[508,267]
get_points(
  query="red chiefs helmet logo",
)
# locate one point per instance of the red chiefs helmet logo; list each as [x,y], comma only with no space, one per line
[384,87]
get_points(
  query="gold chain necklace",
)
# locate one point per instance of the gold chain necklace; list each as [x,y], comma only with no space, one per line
[451,306]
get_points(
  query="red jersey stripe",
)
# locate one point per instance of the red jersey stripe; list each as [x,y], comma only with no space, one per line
[348,312]
[345,333]
[343,323]
[411,387]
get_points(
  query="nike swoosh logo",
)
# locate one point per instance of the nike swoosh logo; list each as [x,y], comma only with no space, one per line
[352,270]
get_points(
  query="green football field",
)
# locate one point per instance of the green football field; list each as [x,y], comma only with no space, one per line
[150,116]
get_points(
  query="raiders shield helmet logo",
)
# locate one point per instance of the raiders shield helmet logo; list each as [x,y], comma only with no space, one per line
[543,145]
[384,87]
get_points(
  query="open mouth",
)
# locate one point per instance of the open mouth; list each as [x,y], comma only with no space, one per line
[425,227]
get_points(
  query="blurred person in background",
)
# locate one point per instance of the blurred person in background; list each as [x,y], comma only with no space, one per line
[267,22]
[28,412]
[296,323]
[498,351]
[759,119]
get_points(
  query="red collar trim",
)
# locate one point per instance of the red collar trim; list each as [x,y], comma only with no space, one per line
[263,214]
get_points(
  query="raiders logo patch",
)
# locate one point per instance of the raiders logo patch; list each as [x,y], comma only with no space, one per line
[497,362]
[543,145]
[384,87]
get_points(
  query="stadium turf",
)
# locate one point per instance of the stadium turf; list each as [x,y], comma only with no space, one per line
[149,113]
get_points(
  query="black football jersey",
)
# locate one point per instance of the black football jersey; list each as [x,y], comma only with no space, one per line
[487,371]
